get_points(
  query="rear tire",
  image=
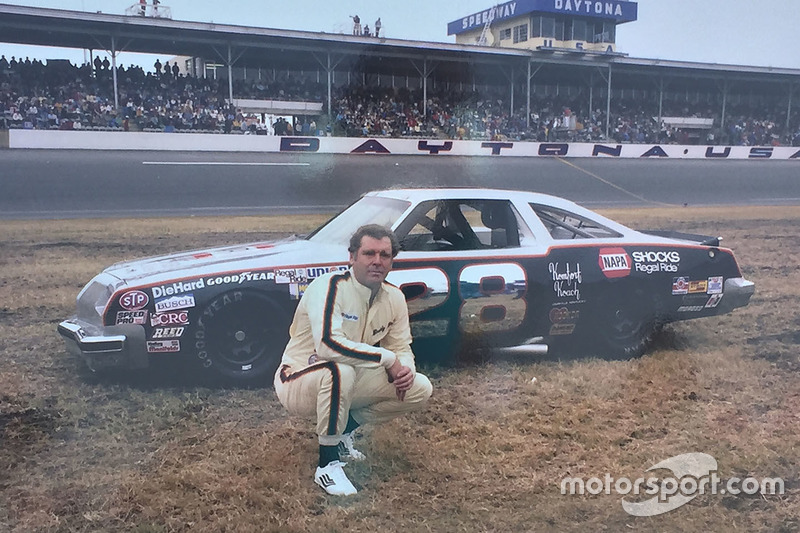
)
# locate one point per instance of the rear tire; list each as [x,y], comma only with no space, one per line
[241,334]
[627,324]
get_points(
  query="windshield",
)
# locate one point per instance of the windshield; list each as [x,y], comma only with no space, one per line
[368,210]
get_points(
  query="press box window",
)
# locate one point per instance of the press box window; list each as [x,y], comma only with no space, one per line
[520,33]
[505,34]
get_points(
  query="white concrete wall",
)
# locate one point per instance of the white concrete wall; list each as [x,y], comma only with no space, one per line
[94,140]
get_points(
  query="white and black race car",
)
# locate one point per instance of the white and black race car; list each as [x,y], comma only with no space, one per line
[481,267]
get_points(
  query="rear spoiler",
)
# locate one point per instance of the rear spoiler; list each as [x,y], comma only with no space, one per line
[703,240]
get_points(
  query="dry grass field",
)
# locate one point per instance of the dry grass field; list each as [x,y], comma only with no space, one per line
[152,453]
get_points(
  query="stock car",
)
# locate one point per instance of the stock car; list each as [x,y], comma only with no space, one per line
[479,267]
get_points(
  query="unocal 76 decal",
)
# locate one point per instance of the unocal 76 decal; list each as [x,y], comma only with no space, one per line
[492,296]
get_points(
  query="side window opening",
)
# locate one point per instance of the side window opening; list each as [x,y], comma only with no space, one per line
[460,225]
[566,225]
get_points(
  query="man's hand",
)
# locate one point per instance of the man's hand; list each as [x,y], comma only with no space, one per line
[401,377]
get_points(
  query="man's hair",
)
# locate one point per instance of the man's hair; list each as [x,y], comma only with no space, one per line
[376,231]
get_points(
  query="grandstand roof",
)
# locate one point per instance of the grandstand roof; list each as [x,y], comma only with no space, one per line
[299,50]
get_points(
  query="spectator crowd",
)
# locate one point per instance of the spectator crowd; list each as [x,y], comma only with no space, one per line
[59,95]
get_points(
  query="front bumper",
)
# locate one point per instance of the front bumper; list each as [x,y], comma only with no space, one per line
[736,293]
[121,346]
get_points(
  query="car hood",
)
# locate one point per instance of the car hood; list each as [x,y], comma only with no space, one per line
[241,257]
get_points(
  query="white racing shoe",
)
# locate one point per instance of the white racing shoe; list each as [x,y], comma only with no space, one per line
[333,479]
[347,449]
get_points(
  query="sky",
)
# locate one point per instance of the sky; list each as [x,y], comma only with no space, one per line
[736,32]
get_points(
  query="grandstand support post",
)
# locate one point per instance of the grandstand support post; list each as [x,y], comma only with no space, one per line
[230,74]
[660,100]
[789,108]
[528,107]
[528,99]
[425,72]
[329,67]
[608,103]
[724,103]
[114,71]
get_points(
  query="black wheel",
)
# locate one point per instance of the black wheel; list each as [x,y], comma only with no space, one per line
[241,334]
[627,323]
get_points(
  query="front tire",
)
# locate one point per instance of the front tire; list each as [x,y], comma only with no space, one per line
[241,334]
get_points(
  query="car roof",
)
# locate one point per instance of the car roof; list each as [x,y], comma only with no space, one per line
[460,193]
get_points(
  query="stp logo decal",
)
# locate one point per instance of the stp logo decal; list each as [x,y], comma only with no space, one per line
[614,262]
[133,300]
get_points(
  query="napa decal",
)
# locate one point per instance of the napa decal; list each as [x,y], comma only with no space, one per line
[614,262]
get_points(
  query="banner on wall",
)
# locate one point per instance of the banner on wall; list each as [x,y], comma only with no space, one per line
[93,140]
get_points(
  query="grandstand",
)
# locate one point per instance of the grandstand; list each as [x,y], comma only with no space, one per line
[334,84]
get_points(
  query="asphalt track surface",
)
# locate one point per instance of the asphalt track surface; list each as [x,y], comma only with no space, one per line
[63,184]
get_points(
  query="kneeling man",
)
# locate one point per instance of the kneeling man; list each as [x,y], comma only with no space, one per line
[349,360]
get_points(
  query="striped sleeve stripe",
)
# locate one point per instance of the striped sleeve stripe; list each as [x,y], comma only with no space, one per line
[327,324]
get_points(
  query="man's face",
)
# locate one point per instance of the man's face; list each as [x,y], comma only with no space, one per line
[372,261]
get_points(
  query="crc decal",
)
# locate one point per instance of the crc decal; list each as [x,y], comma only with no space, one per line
[170,346]
[680,285]
[424,288]
[168,333]
[715,285]
[492,297]
[566,281]
[179,287]
[132,317]
[174,318]
[133,300]
[653,261]
[175,302]
[614,262]
[239,278]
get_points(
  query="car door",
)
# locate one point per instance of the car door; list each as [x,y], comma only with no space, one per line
[464,268]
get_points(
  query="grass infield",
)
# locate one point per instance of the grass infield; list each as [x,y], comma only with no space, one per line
[150,454]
